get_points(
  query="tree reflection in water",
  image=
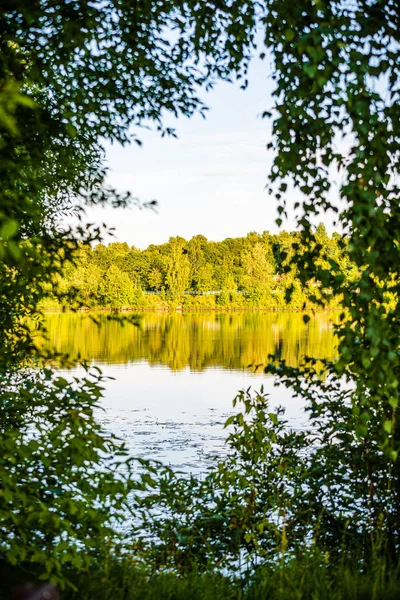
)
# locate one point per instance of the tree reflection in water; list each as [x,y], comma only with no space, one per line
[230,341]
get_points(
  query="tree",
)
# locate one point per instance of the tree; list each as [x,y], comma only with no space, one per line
[247,265]
[155,279]
[258,265]
[177,269]
[336,73]
[73,74]
[116,289]
[204,278]
[195,250]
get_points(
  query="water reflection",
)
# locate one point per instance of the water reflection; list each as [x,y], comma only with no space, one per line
[198,341]
[173,377]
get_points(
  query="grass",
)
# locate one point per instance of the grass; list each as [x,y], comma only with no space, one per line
[304,579]
[299,580]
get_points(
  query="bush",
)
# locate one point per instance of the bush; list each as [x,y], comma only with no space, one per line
[64,480]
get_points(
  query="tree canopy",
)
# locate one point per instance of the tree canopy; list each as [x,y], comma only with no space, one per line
[254,271]
[72,75]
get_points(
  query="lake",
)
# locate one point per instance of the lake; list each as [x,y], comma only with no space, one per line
[174,375]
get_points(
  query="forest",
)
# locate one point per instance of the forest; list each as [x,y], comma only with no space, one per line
[256,271]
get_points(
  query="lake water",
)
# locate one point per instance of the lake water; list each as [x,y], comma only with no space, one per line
[175,374]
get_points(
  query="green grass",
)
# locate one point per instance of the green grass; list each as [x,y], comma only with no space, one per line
[304,579]
[296,581]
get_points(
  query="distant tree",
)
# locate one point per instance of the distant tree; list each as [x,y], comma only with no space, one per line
[116,288]
[228,283]
[155,278]
[259,266]
[195,249]
[86,283]
[177,269]
[204,278]
[102,257]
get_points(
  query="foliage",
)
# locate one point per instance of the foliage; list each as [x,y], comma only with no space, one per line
[116,289]
[75,73]
[278,493]
[72,75]
[302,579]
[308,577]
[60,491]
[336,111]
[234,517]
[177,270]
[238,273]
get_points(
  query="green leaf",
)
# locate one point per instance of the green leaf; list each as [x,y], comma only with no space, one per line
[274,418]
[310,70]
[289,34]
[9,229]
[388,426]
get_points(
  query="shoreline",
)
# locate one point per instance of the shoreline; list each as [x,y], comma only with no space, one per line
[222,309]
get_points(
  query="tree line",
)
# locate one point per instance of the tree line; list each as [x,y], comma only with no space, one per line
[253,271]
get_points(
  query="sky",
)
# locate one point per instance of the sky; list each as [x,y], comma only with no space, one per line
[211,180]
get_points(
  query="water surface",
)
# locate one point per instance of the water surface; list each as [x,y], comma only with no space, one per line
[175,374]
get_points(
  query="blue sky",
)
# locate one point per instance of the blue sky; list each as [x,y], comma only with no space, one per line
[211,180]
